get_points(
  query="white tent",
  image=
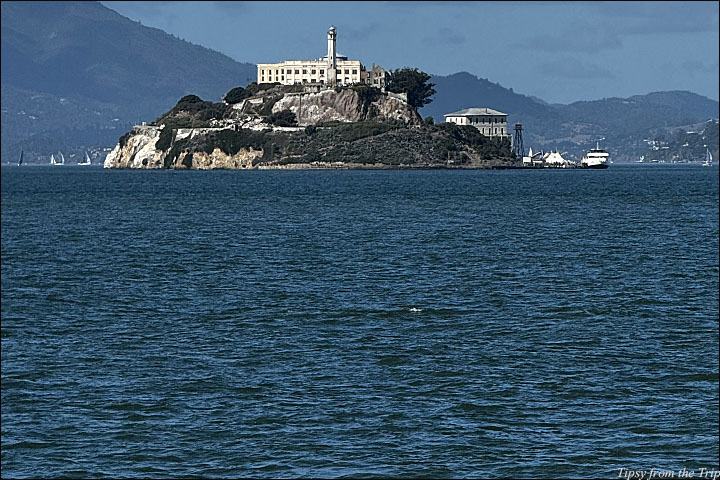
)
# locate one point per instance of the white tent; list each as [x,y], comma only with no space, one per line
[554,159]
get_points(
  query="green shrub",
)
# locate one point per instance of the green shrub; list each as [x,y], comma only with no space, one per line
[123,140]
[168,131]
[231,141]
[236,95]
[165,138]
[174,152]
[350,132]
[269,101]
[195,107]
[284,118]
[366,95]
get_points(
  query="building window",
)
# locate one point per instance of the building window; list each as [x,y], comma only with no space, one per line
[339,71]
[322,72]
[304,71]
[262,72]
[297,72]
[354,71]
[313,71]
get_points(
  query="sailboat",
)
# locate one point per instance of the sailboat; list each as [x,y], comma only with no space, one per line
[22,152]
[708,158]
[53,161]
[86,161]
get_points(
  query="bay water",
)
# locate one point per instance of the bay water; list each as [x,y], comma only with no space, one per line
[525,324]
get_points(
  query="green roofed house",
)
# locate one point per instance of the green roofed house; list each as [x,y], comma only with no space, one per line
[491,123]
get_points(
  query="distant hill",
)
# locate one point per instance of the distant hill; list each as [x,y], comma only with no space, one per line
[464,90]
[76,75]
[623,125]
[683,145]
[70,67]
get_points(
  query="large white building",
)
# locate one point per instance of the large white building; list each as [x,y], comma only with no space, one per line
[332,69]
[491,123]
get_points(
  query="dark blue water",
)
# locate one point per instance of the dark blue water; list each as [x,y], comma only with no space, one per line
[359,323]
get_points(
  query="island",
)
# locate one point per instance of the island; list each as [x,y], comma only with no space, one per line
[307,126]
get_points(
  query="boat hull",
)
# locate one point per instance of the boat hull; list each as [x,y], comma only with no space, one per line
[599,166]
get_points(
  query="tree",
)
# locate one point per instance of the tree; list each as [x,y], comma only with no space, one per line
[414,83]
[235,95]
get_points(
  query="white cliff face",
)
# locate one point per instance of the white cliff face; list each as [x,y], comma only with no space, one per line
[138,152]
[219,159]
[345,106]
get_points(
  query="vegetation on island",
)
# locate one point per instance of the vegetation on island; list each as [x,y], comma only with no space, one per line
[284,118]
[414,83]
[370,142]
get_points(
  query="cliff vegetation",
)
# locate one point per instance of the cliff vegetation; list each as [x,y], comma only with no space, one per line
[278,126]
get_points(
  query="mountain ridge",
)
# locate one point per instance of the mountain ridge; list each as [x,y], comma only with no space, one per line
[623,124]
[90,55]
[73,68]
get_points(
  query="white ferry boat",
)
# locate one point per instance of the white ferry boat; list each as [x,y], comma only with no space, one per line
[595,158]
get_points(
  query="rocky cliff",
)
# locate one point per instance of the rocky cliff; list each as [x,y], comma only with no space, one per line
[348,105]
[139,151]
[296,127]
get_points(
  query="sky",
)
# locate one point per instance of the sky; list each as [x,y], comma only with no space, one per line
[561,52]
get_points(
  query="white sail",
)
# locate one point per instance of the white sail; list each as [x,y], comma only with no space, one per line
[708,158]
[86,161]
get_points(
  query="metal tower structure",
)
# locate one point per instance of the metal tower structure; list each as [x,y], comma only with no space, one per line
[518,148]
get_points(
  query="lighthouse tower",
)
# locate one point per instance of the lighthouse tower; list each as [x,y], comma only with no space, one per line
[332,57]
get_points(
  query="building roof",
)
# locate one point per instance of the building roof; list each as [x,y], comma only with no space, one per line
[474,111]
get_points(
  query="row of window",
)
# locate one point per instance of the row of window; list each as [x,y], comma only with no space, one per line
[289,71]
[486,120]
[322,82]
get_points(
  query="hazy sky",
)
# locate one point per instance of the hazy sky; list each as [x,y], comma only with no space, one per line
[558,51]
